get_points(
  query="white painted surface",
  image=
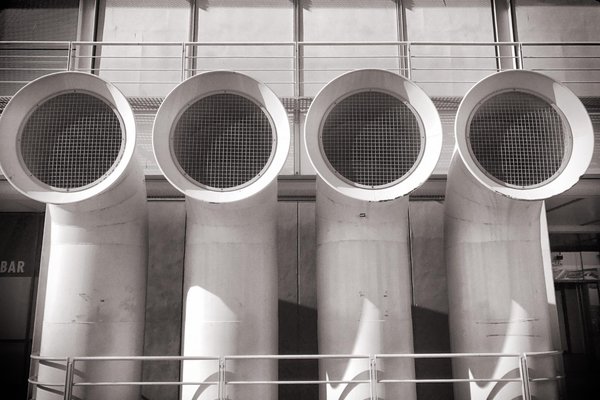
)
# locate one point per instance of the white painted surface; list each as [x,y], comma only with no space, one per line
[363,293]
[96,289]
[230,294]
[496,287]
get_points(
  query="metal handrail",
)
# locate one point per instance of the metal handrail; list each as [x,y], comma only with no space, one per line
[412,60]
[522,359]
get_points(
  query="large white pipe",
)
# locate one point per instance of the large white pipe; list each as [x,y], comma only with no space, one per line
[521,138]
[373,137]
[68,140]
[221,138]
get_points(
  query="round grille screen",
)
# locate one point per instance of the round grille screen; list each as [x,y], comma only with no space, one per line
[71,140]
[371,138]
[223,141]
[518,138]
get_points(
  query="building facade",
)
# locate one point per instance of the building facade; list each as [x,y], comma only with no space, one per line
[146,48]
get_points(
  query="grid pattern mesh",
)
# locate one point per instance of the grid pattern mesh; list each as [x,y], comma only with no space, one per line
[518,138]
[223,141]
[71,140]
[371,138]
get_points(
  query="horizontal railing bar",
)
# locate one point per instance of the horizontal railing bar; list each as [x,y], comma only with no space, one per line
[297,356]
[358,381]
[246,69]
[145,358]
[60,58]
[302,43]
[30,69]
[543,353]
[454,69]
[34,382]
[54,42]
[447,380]
[129,70]
[128,57]
[447,57]
[143,383]
[242,57]
[543,57]
[567,69]
[554,378]
[447,355]
[144,82]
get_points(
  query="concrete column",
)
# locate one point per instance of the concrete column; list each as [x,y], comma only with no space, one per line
[96,290]
[230,294]
[363,293]
[496,287]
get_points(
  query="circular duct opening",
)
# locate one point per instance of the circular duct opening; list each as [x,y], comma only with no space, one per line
[66,137]
[223,141]
[373,135]
[71,141]
[524,135]
[372,139]
[221,137]
[519,139]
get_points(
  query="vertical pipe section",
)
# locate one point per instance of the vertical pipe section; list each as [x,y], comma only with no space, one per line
[373,137]
[230,286]
[221,138]
[521,137]
[68,140]
[363,293]
[96,290]
[496,285]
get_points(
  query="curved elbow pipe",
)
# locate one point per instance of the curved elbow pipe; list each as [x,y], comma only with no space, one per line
[68,140]
[521,138]
[373,137]
[221,138]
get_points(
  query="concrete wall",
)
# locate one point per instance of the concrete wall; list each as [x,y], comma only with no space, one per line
[450,21]
[140,21]
[560,21]
[297,295]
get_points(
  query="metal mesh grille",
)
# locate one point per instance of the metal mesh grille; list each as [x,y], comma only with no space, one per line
[372,138]
[71,140]
[518,138]
[223,141]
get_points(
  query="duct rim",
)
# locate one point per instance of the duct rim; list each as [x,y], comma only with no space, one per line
[575,121]
[386,82]
[202,86]
[22,106]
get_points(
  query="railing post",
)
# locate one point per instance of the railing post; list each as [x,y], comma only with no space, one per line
[183,61]
[373,377]
[221,385]
[524,373]
[69,378]
[408,61]
[70,57]
[520,55]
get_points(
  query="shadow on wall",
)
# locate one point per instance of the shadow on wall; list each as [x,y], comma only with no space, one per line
[431,335]
[298,335]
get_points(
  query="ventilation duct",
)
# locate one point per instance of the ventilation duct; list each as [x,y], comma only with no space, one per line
[221,138]
[521,138]
[68,140]
[373,137]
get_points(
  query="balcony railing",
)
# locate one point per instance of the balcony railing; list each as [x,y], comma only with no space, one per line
[298,69]
[521,360]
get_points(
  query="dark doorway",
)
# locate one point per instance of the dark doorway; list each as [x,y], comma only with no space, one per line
[579,316]
[20,244]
